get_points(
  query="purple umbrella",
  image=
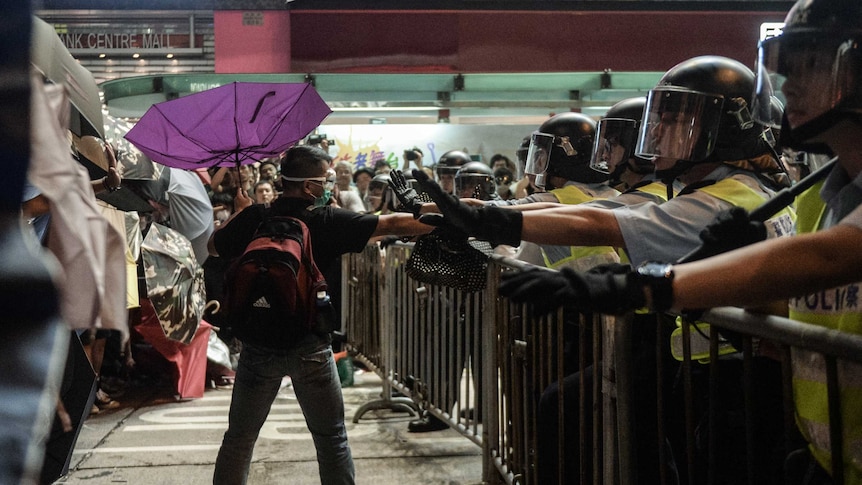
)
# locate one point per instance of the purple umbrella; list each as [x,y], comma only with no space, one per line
[230,125]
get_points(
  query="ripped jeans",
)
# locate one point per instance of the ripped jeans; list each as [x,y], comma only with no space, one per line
[318,390]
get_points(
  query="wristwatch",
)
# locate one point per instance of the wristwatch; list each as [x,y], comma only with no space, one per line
[659,277]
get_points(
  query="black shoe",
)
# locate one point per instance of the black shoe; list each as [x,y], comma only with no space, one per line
[426,424]
[408,382]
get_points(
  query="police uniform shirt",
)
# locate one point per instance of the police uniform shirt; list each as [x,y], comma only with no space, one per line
[334,231]
[595,191]
[668,231]
[532,198]
[843,198]
[854,218]
[633,197]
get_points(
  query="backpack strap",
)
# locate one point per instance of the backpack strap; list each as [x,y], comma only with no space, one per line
[308,262]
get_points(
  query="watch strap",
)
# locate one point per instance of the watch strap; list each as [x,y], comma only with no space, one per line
[659,278]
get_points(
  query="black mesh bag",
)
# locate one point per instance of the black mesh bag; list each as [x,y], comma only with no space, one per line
[448,259]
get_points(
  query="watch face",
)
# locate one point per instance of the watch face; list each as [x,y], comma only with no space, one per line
[654,269]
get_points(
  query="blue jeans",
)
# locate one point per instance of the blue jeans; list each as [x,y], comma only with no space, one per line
[318,391]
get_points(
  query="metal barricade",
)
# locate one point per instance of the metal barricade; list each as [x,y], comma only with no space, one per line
[365,320]
[543,418]
[474,361]
[643,418]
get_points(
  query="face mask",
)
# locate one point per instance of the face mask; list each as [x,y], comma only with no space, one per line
[323,199]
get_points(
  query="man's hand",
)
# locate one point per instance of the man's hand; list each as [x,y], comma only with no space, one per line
[489,223]
[112,180]
[241,200]
[610,289]
[407,196]
[732,229]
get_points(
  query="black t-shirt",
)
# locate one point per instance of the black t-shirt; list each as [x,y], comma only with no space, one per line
[333,231]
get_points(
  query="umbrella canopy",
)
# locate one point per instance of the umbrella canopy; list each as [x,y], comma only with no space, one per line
[90,152]
[53,60]
[93,281]
[175,282]
[131,163]
[234,124]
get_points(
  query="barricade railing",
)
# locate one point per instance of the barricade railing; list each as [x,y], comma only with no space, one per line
[471,359]
[723,445]
[366,320]
[645,418]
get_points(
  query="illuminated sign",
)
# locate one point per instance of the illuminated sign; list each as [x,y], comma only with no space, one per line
[107,40]
[87,41]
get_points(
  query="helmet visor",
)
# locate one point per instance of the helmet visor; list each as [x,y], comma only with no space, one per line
[680,124]
[810,73]
[447,169]
[521,153]
[615,143]
[474,185]
[538,156]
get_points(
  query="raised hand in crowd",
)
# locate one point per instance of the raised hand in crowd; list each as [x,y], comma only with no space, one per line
[110,182]
[241,200]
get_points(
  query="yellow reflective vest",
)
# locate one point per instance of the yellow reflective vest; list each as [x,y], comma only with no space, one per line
[579,258]
[734,192]
[739,194]
[839,309]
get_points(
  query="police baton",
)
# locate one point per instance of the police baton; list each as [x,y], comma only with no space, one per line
[782,199]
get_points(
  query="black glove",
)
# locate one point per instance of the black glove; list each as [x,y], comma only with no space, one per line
[489,223]
[732,229]
[407,196]
[387,241]
[610,289]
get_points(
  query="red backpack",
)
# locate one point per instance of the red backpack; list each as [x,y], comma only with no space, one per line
[274,292]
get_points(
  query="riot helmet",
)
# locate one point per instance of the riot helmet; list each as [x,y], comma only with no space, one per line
[562,147]
[447,166]
[451,161]
[475,179]
[814,67]
[616,137]
[699,113]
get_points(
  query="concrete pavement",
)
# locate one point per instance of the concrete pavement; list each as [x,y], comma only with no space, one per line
[153,439]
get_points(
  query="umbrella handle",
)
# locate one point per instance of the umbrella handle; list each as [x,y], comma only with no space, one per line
[212,304]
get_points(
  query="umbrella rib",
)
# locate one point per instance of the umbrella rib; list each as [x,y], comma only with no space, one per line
[178,130]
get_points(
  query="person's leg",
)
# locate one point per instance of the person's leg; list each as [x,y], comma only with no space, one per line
[257,381]
[318,391]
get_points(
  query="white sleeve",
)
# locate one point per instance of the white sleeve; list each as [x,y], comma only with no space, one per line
[668,231]
[854,218]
